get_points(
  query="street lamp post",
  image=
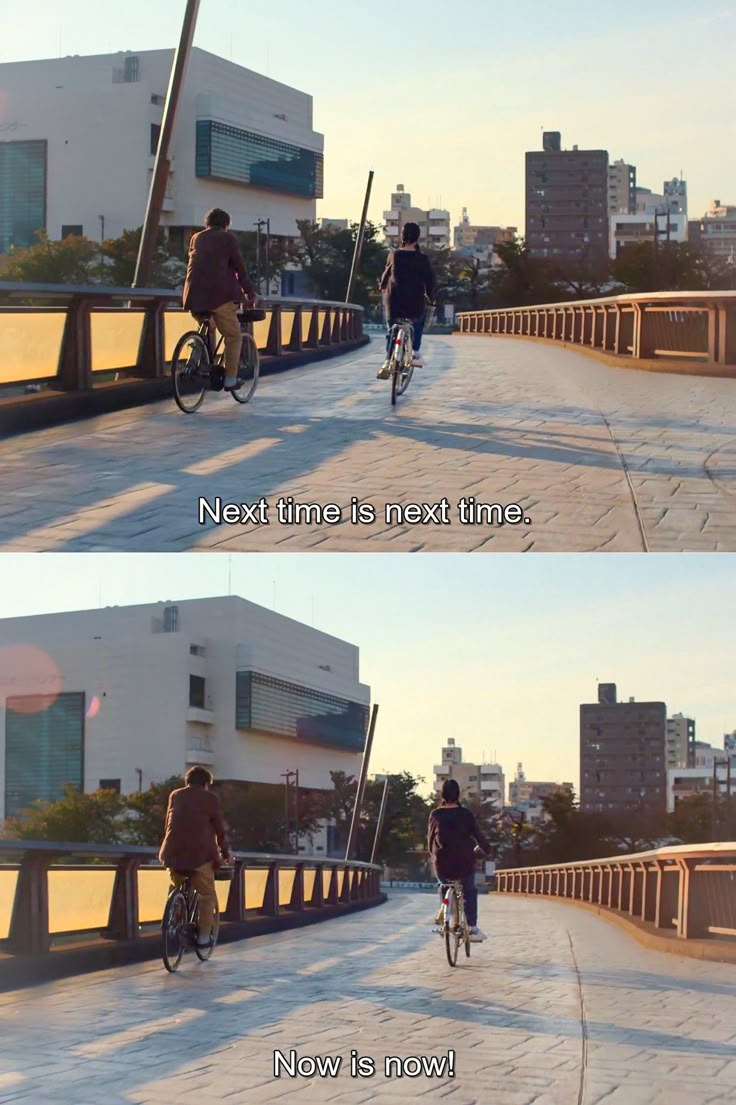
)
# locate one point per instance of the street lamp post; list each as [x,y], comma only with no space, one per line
[258,224]
[288,776]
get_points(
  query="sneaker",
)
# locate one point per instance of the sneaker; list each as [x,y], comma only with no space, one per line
[417,361]
[204,946]
[476,936]
[385,371]
[232,384]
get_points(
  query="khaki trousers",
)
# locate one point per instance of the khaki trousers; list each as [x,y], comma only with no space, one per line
[228,323]
[202,879]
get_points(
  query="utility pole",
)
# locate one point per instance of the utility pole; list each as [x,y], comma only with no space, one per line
[258,225]
[359,239]
[161,167]
[714,811]
[355,824]
[268,257]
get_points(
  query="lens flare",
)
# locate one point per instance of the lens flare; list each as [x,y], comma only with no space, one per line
[30,680]
[94,708]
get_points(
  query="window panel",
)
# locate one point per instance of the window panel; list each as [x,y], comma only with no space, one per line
[44,749]
[22,192]
[269,705]
[228,153]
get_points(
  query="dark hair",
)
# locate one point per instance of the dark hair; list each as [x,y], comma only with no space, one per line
[410,234]
[198,777]
[450,791]
[217,217]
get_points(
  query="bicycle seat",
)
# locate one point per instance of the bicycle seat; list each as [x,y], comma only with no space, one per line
[202,316]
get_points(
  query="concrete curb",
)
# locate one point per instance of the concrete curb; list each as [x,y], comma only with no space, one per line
[645,933]
[20,972]
[35,412]
[672,367]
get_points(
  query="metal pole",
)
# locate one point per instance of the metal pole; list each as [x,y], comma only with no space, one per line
[715,798]
[359,240]
[361,785]
[379,825]
[296,812]
[161,167]
[258,255]
[267,258]
[287,836]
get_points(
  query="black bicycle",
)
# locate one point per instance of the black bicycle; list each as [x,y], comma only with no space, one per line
[180,926]
[455,927]
[197,364]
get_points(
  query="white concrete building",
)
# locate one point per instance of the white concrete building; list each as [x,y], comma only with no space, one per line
[621,188]
[715,233]
[433,224]
[476,781]
[78,137]
[680,740]
[127,696]
[628,230]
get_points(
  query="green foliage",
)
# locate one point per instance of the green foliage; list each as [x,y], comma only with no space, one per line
[326,256]
[147,812]
[255,814]
[97,818]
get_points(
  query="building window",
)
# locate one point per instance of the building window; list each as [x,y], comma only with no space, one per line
[155,136]
[159,101]
[110,784]
[171,619]
[228,153]
[196,691]
[22,192]
[72,230]
[268,705]
[44,749]
[131,70]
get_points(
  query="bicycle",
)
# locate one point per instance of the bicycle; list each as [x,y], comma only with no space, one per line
[180,926]
[401,367]
[455,927]
[197,363]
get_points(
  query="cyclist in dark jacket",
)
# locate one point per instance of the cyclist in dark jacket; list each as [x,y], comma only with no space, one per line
[453,837]
[407,284]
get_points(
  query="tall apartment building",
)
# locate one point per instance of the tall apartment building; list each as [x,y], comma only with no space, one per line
[621,188]
[680,741]
[78,138]
[126,696]
[623,756]
[481,782]
[434,224]
[715,233]
[567,207]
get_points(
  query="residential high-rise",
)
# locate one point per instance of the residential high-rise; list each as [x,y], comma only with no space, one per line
[567,207]
[434,224]
[480,782]
[623,756]
[621,188]
[715,233]
[680,741]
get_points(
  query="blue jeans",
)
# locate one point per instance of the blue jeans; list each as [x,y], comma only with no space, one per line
[417,323]
[470,894]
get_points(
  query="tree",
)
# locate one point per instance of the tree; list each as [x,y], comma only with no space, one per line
[70,261]
[147,812]
[326,256]
[405,823]
[521,280]
[120,255]
[77,818]
[281,251]
[255,814]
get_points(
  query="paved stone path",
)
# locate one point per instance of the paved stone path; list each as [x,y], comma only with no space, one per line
[574,442]
[558,1008]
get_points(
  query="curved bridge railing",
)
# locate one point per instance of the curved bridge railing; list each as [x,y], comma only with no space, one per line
[690,889]
[665,326]
[52,893]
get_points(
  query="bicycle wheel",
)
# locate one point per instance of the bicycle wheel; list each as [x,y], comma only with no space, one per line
[205,953]
[452,928]
[189,371]
[172,926]
[405,373]
[248,370]
[397,359]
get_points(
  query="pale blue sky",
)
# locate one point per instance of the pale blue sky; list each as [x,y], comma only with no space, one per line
[446,99]
[496,651]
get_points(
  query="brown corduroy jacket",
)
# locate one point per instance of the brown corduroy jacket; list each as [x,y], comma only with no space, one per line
[216,273]
[195,829]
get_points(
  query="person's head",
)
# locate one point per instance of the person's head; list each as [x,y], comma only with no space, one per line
[198,777]
[410,234]
[450,791]
[217,218]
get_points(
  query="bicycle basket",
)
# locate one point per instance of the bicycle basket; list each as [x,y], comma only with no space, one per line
[252,314]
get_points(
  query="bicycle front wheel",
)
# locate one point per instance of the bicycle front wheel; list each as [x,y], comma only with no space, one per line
[189,371]
[205,953]
[405,374]
[172,926]
[453,935]
[248,369]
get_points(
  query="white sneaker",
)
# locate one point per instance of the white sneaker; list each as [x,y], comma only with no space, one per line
[417,361]
[385,371]
[476,936]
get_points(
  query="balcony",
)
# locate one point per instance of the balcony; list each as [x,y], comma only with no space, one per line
[200,716]
[442,769]
[203,756]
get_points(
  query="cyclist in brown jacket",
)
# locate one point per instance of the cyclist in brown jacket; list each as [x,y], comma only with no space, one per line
[195,839]
[217,283]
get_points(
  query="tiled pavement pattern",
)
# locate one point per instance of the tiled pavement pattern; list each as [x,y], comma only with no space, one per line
[504,421]
[655,1029]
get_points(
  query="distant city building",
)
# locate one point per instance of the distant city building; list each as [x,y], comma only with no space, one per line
[622,754]
[567,206]
[713,769]
[715,233]
[334,224]
[125,696]
[627,230]
[480,782]
[522,789]
[729,741]
[621,188]
[680,741]
[434,224]
[480,242]
[79,135]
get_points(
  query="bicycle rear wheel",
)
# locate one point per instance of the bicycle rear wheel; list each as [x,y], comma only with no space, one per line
[453,935]
[205,953]
[248,369]
[172,926]
[189,371]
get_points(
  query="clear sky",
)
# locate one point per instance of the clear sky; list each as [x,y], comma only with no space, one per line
[496,651]
[446,99]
